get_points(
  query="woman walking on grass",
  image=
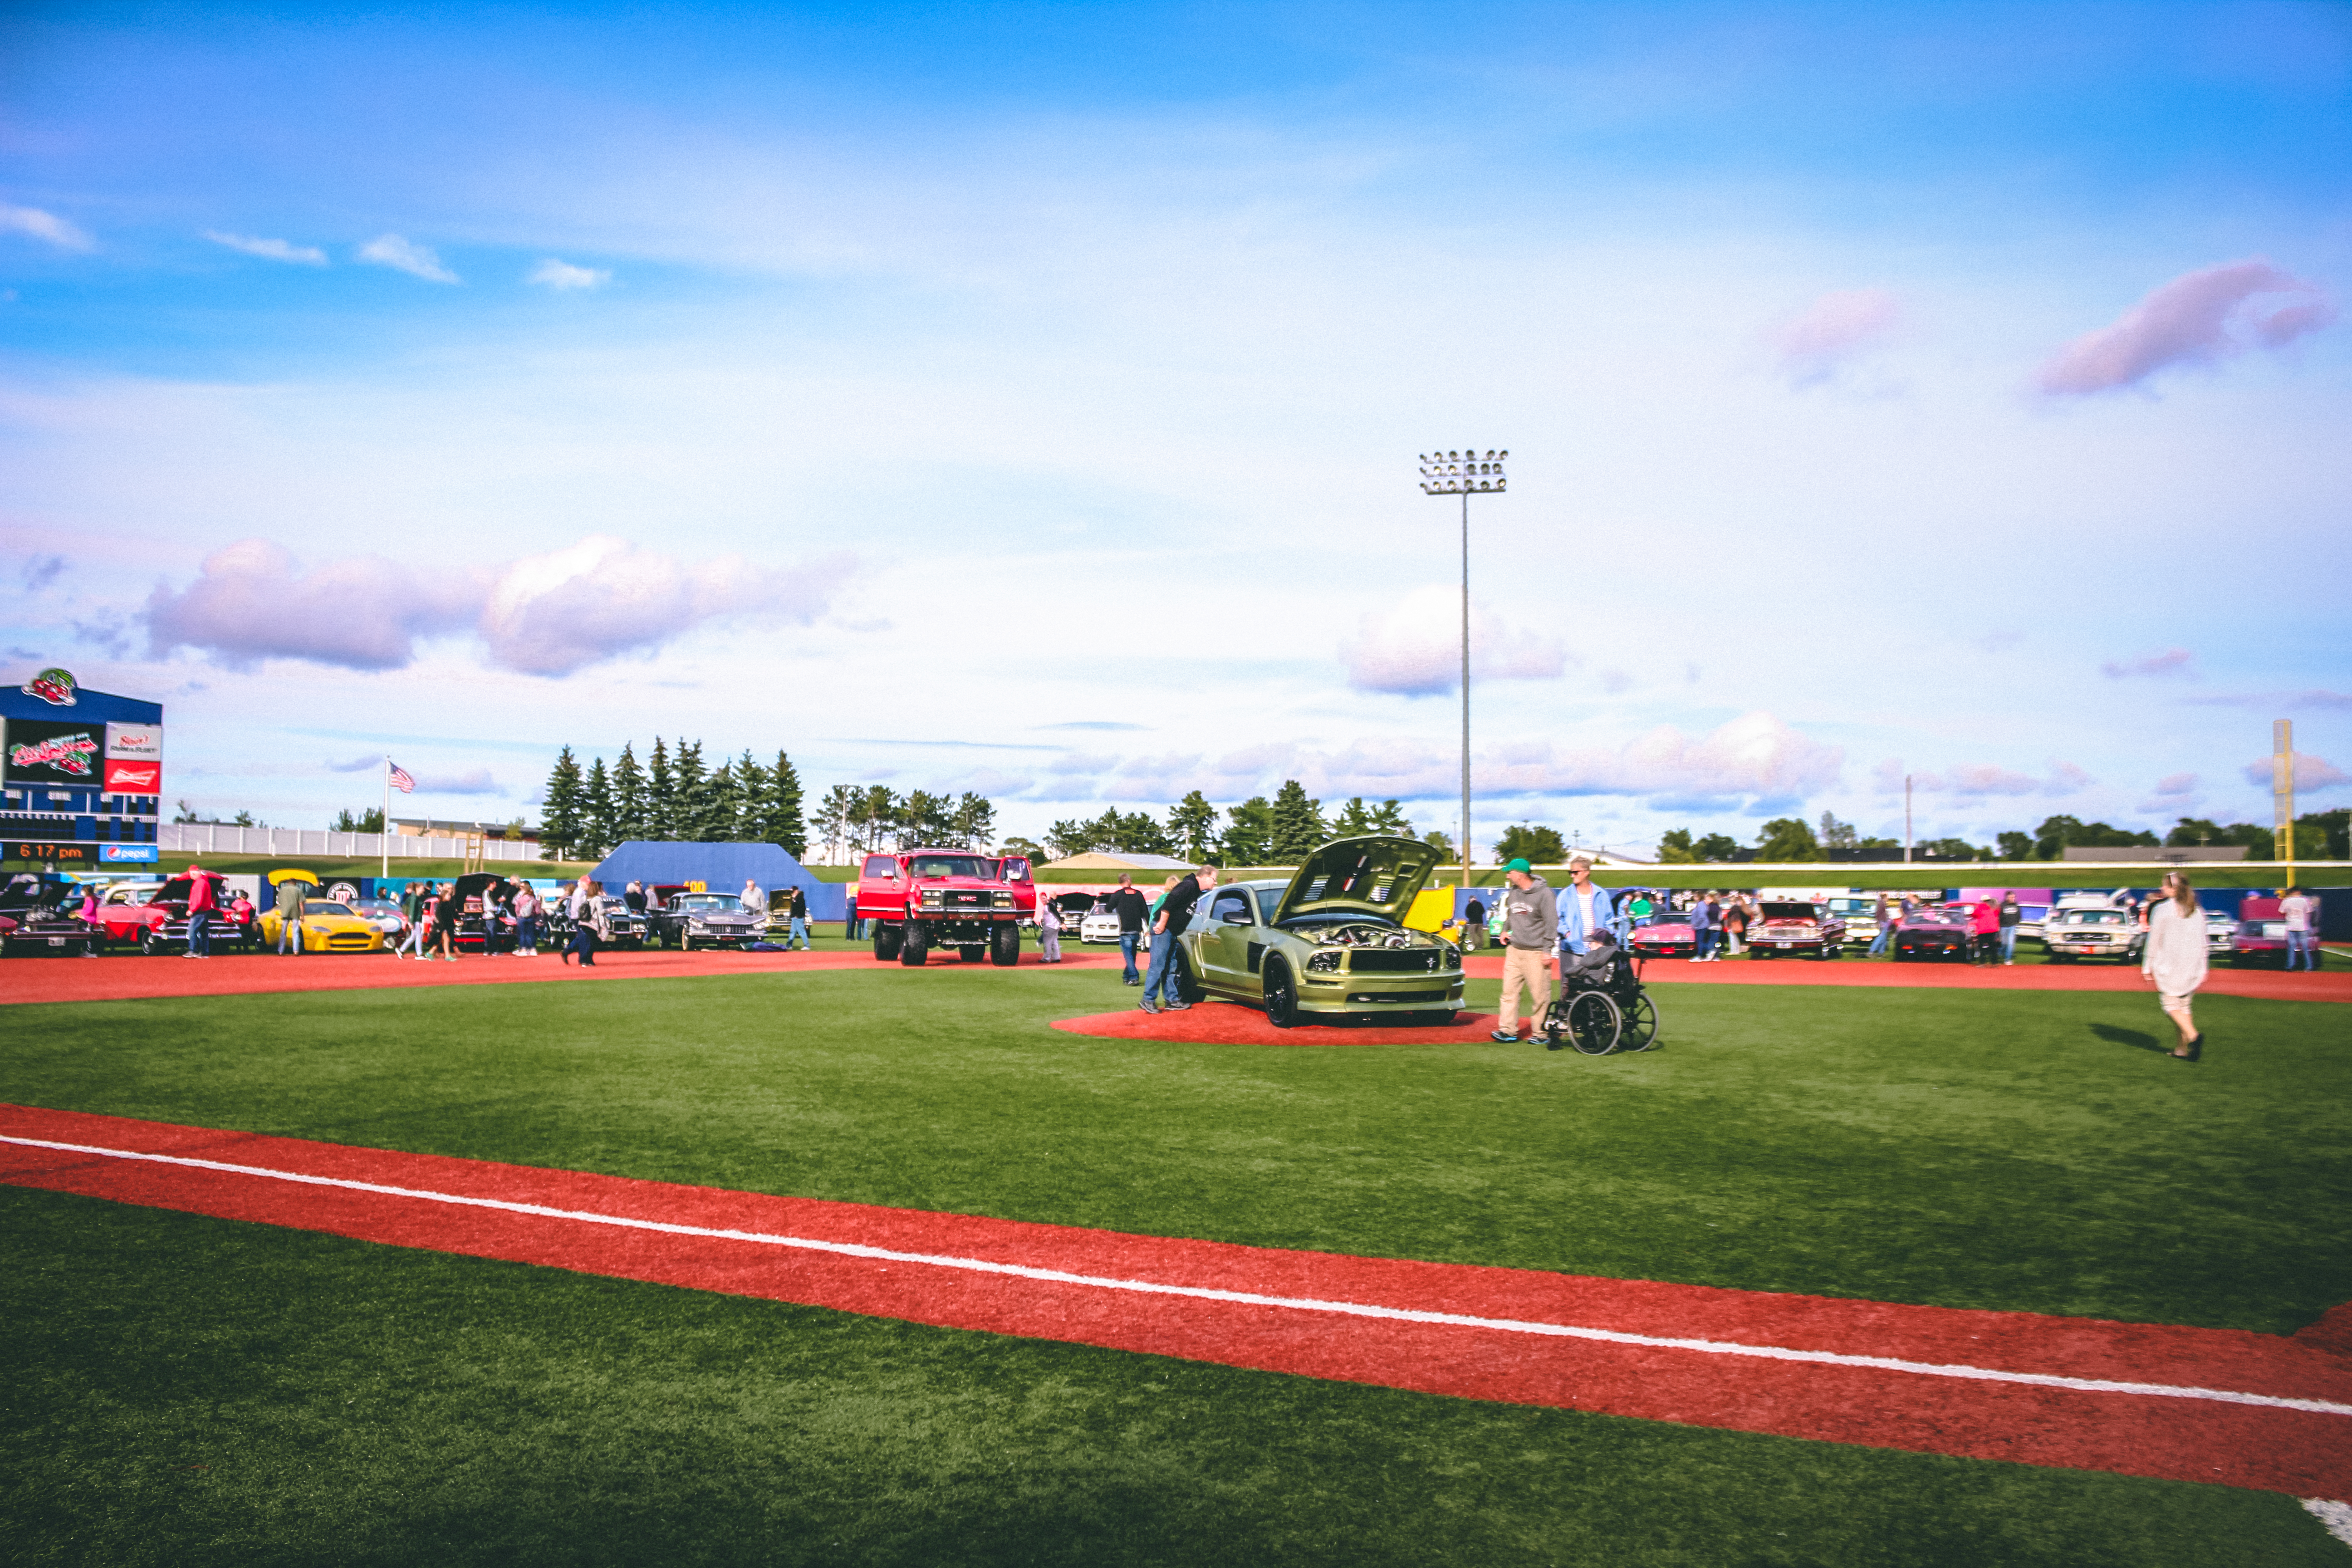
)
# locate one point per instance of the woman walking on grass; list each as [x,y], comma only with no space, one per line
[2174,959]
[1049,932]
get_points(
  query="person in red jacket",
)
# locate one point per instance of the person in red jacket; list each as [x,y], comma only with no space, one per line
[1984,925]
[203,899]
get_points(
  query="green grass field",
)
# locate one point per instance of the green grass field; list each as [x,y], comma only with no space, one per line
[200,1391]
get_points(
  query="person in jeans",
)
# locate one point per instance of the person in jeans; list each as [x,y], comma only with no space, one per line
[2296,911]
[583,923]
[1702,923]
[526,914]
[414,903]
[797,910]
[1049,932]
[1175,914]
[290,915]
[1887,918]
[1133,913]
[1530,919]
[2009,915]
[202,901]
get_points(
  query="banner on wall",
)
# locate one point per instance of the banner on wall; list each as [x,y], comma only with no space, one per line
[53,751]
[135,759]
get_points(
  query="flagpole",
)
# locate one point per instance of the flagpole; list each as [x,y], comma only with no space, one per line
[383,827]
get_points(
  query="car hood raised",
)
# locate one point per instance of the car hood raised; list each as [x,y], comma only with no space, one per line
[1380,875]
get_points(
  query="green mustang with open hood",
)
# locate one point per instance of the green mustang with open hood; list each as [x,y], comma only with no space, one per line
[1332,941]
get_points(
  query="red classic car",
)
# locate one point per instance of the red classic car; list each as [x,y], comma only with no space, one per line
[2262,936]
[156,917]
[1807,930]
[1665,934]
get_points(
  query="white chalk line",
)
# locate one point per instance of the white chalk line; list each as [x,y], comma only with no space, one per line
[1241,1298]
[2335,1516]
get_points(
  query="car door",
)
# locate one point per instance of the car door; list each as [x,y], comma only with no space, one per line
[1225,944]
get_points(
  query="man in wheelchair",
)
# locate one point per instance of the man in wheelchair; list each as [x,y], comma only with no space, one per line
[1603,1005]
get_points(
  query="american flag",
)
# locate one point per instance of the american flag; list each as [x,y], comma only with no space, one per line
[400,779]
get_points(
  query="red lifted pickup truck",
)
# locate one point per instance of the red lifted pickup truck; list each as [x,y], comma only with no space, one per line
[923,899]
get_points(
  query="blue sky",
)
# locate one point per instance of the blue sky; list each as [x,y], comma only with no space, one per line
[1946,390]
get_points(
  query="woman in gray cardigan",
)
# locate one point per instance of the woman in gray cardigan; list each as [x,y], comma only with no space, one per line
[2174,958]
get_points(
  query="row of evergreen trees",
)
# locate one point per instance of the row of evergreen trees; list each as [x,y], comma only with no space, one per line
[863,818]
[673,795]
[1258,832]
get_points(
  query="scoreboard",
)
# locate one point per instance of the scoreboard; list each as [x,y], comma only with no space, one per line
[81,773]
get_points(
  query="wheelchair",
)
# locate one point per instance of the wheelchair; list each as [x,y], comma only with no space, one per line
[1602,1007]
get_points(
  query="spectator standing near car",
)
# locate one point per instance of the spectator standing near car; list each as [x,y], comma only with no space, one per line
[1984,929]
[583,923]
[1532,921]
[753,899]
[413,904]
[1885,916]
[2174,960]
[1702,924]
[526,913]
[796,911]
[1735,921]
[203,899]
[1474,923]
[2296,911]
[446,910]
[88,912]
[1132,912]
[290,915]
[1049,932]
[1168,923]
[2009,915]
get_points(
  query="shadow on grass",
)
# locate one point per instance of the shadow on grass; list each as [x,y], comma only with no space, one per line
[2134,1038]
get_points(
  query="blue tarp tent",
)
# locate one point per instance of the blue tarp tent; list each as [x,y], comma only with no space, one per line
[720,868]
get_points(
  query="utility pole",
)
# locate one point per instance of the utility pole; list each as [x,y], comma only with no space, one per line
[2282,794]
[1464,473]
[1907,819]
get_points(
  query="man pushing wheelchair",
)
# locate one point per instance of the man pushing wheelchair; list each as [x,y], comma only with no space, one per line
[1599,1005]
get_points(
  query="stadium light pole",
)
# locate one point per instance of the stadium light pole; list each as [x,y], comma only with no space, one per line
[1465,473]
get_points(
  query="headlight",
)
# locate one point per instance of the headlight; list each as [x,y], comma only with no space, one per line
[1324,962]
[932,897]
[697,921]
[1453,958]
[1003,900]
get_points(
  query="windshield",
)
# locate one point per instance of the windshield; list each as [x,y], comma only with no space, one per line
[1788,911]
[952,865]
[706,901]
[2092,918]
[1269,900]
[324,907]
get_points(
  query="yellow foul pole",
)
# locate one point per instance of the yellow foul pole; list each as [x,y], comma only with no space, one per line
[2282,794]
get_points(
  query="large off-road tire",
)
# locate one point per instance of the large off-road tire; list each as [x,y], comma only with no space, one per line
[887,939]
[1004,945]
[1281,993]
[915,948]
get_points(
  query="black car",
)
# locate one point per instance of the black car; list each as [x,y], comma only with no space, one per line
[1929,934]
[689,921]
[37,916]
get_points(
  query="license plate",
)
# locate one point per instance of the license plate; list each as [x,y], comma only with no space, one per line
[56,942]
[1784,944]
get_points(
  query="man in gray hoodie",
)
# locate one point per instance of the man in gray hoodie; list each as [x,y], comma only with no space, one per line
[1530,930]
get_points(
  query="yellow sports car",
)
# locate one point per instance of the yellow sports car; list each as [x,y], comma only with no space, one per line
[328,926]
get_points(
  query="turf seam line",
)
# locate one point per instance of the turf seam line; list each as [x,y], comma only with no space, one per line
[1206,1293]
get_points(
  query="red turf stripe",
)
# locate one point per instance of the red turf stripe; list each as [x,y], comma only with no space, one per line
[2302,1453]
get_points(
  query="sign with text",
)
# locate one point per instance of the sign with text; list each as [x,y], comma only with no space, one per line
[53,752]
[118,853]
[64,854]
[135,759]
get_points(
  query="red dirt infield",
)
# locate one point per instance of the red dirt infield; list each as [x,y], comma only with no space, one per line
[2268,985]
[124,978]
[2214,1406]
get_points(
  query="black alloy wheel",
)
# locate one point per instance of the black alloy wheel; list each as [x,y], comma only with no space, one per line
[1281,994]
[1004,945]
[915,949]
[887,940]
[152,943]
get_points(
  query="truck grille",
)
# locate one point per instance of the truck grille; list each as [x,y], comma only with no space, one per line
[1393,960]
[1396,996]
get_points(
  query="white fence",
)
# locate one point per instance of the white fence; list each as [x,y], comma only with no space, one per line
[221,838]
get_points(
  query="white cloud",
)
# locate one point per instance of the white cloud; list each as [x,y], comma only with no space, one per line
[553,614]
[1413,649]
[2312,775]
[560,276]
[406,256]
[45,227]
[542,615]
[2168,663]
[1981,779]
[2199,318]
[476,781]
[1835,330]
[269,249]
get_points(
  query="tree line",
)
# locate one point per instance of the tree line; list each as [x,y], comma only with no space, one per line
[2318,835]
[1282,831]
[673,796]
